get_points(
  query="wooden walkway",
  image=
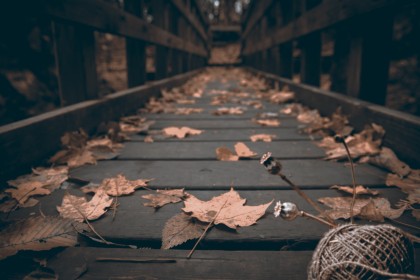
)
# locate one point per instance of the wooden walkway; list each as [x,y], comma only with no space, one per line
[271,249]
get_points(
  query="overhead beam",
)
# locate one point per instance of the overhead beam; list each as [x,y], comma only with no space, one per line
[259,11]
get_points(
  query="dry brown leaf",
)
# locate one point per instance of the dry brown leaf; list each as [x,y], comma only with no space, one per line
[410,185]
[341,207]
[228,111]
[26,190]
[224,154]
[416,214]
[81,158]
[262,137]
[359,190]
[180,132]
[148,139]
[79,209]
[388,159]
[243,151]
[230,208]
[185,101]
[268,122]
[38,234]
[282,97]
[188,111]
[163,197]
[117,186]
[179,229]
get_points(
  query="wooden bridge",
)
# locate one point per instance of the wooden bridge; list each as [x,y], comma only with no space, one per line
[273,248]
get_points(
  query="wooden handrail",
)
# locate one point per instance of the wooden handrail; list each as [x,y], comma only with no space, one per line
[105,17]
[191,18]
[256,15]
[328,13]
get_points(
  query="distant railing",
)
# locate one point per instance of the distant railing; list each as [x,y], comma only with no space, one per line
[362,41]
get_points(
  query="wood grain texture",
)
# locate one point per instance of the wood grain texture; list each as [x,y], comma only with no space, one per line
[245,174]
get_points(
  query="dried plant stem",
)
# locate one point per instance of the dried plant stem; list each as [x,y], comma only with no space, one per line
[307,198]
[353,178]
[205,231]
[134,260]
[307,215]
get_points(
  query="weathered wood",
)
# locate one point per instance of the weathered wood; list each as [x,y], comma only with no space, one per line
[244,174]
[203,265]
[402,130]
[17,139]
[183,9]
[310,69]
[207,150]
[256,15]
[160,12]
[322,16]
[237,134]
[105,17]
[135,50]
[77,78]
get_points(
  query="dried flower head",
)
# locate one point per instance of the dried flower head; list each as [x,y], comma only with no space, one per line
[272,165]
[277,209]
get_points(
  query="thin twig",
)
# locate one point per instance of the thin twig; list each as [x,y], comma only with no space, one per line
[134,260]
[114,213]
[353,178]
[205,231]
[307,215]
[404,224]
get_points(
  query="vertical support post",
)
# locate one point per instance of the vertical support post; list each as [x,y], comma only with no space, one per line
[160,18]
[74,50]
[135,49]
[311,59]
[286,60]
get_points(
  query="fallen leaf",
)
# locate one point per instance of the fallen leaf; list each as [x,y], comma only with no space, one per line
[282,97]
[163,197]
[341,207]
[232,213]
[262,137]
[224,154]
[117,186]
[180,132]
[243,151]
[410,185]
[26,190]
[179,229]
[268,122]
[41,273]
[38,234]
[229,111]
[80,158]
[416,214]
[148,139]
[79,209]
[388,159]
[359,190]
[188,111]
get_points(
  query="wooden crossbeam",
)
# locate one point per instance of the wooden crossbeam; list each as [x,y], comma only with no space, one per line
[259,11]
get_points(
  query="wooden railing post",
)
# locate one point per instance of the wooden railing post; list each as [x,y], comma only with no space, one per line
[74,48]
[311,59]
[135,49]
[160,19]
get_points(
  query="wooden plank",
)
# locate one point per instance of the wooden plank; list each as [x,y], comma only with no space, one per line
[237,134]
[135,49]
[207,150]
[135,223]
[310,69]
[225,28]
[244,174]
[228,124]
[192,19]
[256,15]
[77,77]
[203,265]
[324,15]
[402,130]
[107,18]
[17,139]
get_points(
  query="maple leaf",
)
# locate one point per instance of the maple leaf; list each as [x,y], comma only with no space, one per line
[179,229]
[38,234]
[262,137]
[232,213]
[341,208]
[163,197]
[224,154]
[359,190]
[117,186]
[410,185]
[268,122]
[180,132]
[188,111]
[282,97]
[79,209]
[243,151]
[11,204]
[26,190]
[388,159]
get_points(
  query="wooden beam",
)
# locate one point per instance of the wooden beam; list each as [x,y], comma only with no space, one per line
[179,4]
[322,16]
[310,60]
[105,17]
[256,15]
[286,60]
[74,48]
[17,139]
[135,49]
[160,13]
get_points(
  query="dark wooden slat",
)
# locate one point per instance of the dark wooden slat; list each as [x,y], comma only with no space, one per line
[105,17]
[402,130]
[238,134]
[246,174]
[256,15]
[77,77]
[17,139]
[310,68]
[203,265]
[286,60]
[204,124]
[326,14]
[206,150]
